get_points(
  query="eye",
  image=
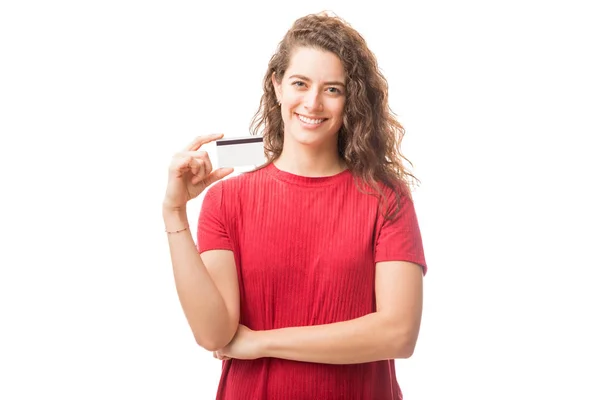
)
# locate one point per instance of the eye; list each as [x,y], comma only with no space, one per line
[298,83]
[335,91]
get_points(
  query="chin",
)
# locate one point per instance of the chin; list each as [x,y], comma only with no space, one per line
[311,138]
[304,139]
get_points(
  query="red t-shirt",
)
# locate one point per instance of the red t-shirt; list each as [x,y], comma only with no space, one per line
[305,251]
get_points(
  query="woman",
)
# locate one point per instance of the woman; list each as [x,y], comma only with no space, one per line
[307,275]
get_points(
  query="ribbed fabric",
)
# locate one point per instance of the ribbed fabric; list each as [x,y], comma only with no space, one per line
[305,251]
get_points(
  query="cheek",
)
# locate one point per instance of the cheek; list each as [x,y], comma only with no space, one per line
[338,110]
[292,99]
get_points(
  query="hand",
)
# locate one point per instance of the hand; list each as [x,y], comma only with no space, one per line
[191,172]
[245,345]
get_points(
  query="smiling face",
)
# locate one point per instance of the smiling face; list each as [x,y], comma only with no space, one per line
[312,96]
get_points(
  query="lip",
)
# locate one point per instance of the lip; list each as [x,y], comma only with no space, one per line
[311,117]
[310,126]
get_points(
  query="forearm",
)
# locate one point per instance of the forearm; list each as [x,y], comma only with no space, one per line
[202,303]
[372,337]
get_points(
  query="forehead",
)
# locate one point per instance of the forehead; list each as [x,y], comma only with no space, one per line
[316,64]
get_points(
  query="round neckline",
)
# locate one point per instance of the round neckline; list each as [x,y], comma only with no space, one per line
[308,181]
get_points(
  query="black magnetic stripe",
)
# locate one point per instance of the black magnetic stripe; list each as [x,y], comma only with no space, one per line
[239,141]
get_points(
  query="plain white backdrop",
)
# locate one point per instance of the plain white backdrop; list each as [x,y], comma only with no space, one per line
[500,101]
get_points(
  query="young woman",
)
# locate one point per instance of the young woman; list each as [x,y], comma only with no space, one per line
[307,275]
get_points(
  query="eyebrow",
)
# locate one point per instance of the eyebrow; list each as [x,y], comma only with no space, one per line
[331,83]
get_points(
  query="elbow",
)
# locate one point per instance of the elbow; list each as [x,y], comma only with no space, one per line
[214,342]
[405,351]
[401,335]
[211,345]
[206,345]
[404,344]
[213,336]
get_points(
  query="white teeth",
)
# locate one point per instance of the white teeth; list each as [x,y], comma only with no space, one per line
[310,121]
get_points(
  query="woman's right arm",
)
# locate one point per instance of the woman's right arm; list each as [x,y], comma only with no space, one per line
[207,285]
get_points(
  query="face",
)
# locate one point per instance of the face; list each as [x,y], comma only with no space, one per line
[312,96]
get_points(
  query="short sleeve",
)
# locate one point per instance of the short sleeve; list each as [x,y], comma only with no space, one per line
[399,239]
[212,228]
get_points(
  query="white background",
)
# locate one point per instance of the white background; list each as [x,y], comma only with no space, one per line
[500,101]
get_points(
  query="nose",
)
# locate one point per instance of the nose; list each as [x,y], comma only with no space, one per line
[313,101]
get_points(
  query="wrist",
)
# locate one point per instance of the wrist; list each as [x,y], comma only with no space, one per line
[262,341]
[174,219]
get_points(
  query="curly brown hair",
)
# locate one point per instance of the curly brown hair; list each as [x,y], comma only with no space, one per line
[370,137]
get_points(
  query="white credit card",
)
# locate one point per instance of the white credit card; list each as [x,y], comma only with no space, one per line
[244,151]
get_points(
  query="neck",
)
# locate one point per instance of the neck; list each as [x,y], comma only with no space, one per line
[310,162]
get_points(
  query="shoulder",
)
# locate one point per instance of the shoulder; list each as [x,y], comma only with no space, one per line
[395,198]
[393,190]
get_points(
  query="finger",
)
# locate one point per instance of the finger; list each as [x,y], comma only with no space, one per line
[187,163]
[200,155]
[202,140]
[219,356]
[192,153]
[217,174]
[197,167]
[213,177]
[180,164]
[207,163]
[197,179]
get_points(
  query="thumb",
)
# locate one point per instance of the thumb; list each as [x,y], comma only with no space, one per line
[218,174]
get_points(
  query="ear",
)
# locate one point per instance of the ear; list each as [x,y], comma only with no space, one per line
[277,86]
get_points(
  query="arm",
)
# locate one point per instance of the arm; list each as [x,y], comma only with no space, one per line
[207,285]
[390,332]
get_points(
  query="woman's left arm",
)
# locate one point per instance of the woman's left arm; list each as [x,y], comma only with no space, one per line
[390,332]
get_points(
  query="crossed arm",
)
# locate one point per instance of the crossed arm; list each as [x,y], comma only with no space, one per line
[389,332]
[207,287]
